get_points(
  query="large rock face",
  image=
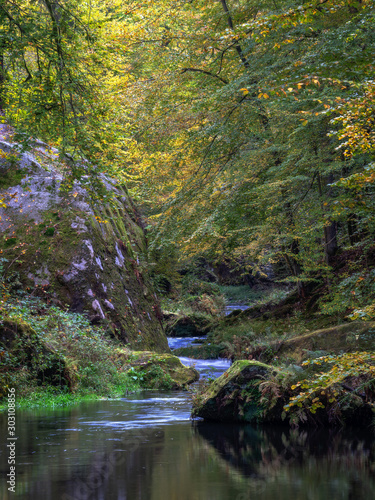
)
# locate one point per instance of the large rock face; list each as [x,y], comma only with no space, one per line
[73,253]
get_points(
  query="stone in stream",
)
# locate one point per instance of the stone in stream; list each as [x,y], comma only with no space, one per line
[235,396]
[251,391]
[161,371]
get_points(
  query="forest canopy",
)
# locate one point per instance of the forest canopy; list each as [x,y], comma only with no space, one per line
[241,128]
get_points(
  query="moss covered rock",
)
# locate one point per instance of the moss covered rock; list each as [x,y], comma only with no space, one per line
[161,371]
[186,325]
[251,391]
[73,253]
[235,396]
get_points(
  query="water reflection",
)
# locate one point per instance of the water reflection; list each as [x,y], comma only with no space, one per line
[285,463]
[145,447]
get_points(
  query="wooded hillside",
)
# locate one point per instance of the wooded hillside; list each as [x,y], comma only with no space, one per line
[242,129]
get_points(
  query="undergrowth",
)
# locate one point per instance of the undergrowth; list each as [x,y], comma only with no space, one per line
[93,362]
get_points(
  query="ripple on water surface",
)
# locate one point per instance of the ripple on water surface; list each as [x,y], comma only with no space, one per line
[207,367]
[148,411]
[144,447]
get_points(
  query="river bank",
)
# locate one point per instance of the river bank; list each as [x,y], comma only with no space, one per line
[145,446]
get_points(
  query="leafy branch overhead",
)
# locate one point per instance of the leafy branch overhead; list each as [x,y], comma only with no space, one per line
[240,128]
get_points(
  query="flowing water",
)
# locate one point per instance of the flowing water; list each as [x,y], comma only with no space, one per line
[207,367]
[145,447]
[234,307]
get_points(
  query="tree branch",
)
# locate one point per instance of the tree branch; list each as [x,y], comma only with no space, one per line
[231,26]
[197,70]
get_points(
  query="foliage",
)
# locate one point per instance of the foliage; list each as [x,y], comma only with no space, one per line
[3,287]
[135,375]
[56,85]
[194,298]
[156,378]
[243,127]
[353,291]
[238,126]
[90,355]
[342,377]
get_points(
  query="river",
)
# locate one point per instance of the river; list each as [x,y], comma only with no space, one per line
[145,447]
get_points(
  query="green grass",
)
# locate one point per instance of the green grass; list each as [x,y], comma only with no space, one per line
[47,397]
[52,397]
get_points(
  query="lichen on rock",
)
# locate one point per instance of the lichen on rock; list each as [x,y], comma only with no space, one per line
[87,257]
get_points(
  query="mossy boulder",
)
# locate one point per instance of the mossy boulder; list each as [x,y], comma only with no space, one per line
[251,391]
[22,349]
[62,247]
[186,325]
[235,396]
[161,371]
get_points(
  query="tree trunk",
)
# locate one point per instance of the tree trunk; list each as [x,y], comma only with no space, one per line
[292,261]
[237,46]
[330,230]
[2,78]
